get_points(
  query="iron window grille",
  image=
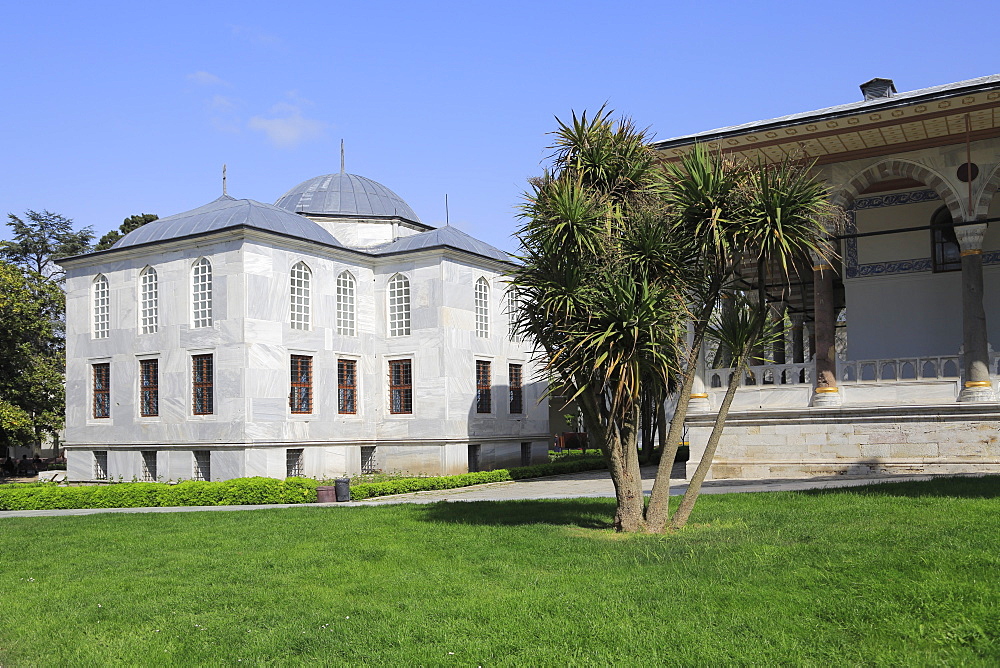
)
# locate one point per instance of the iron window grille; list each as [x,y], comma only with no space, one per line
[149,388]
[201,293]
[347,387]
[399,305]
[149,465]
[368,461]
[345,304]
[102,390]
[300,296]
[202,385]
[100,464]
[202,465]
[525,454]
[947,251]
[401,387]
[484,390]
[300,397]
[102,307]
[516,389]
[149,308]
[293,462]
[482,308]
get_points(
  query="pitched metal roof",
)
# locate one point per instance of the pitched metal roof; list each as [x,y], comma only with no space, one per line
[442,237]
[345,195]
[228,212]
[951,90]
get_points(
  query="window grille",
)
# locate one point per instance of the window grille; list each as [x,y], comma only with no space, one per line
[300,296]
[347,386]
[947,254]
[482,308]
[100,464]
[293,463]
[399,306]
[149,307]
[300,397]
[401,387]
[484,390]
[513,305]
[202,385]
[526,454]
[345,304]
[201,293]
[516,389]
[102,390]
[368,462]
[149,388]
[102,307]
[149,465]
[202,465]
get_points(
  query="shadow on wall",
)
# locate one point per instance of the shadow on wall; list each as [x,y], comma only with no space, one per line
[584,513]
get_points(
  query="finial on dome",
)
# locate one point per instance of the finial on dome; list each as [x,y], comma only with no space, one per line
[341,156]
[446,217]
[224,180]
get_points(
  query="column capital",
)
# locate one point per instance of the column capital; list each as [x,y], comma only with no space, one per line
[970,237]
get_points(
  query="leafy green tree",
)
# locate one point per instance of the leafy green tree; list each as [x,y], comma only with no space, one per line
[40,238]
[129,224]
[624,263]
[32,357]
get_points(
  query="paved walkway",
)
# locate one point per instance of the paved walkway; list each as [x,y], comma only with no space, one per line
[586,484]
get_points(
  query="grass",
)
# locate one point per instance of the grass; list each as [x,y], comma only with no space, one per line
[893,574]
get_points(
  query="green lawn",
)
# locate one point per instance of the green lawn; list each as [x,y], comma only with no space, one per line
[899,574]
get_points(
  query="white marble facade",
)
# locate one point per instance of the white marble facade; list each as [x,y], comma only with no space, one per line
[251,428]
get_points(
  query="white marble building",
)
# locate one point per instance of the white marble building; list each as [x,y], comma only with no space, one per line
[331,334]
[888,364]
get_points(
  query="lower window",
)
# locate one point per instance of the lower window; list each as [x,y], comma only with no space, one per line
[401,387]
[293,462]
[100,464]
[526,454]
[149,465]
[202,465]
[368,462]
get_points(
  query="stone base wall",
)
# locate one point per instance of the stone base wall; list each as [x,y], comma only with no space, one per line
[322,461]
[804,443]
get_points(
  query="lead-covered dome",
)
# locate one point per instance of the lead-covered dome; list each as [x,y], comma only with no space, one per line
[224,213]
[345,195]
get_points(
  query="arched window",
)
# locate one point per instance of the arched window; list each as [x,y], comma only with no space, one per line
[201,293]
[399,305]
[149,301]
[512,308]
[482,308]
[944,243]
[300,296]
[345,304]
[102,307]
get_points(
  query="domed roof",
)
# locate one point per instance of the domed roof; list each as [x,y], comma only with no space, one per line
[228,212]
[345,195]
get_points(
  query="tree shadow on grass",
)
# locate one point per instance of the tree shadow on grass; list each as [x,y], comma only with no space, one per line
[584,513]
[963,487]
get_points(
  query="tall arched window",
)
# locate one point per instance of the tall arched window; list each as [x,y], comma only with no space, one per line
[399,305]
[300,296]
[947,254]
[102,307]
[201,293]
[149,301]
[482,308]
[345,304]
[512,309]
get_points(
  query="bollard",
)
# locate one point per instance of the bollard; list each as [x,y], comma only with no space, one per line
[343,487]
[326,494]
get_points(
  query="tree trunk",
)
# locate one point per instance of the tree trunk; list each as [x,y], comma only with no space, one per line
[648,426]
[680,517]
[626,476]
[659,502]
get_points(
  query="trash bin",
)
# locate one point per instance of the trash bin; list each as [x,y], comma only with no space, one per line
[326,494]
[343,486]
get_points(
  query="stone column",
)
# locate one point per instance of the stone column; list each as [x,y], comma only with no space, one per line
[798,341]
[976,356]
[778,313]
[699,402]
[825,352]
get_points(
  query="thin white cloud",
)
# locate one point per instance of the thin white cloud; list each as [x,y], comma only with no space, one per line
[222,103]
[204,78]
[255,36]
[290,129]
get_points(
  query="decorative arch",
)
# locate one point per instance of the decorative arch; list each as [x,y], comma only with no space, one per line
[986,194]
[899,169]
[482,308]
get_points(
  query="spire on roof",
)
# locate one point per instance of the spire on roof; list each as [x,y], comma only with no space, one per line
[341,156]
[224,180]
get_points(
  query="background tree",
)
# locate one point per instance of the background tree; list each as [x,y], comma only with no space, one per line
[40,238]
[129,224]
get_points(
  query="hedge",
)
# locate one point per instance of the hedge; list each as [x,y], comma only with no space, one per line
[252,491]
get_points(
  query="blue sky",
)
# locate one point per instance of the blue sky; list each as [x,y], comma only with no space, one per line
[112,109]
